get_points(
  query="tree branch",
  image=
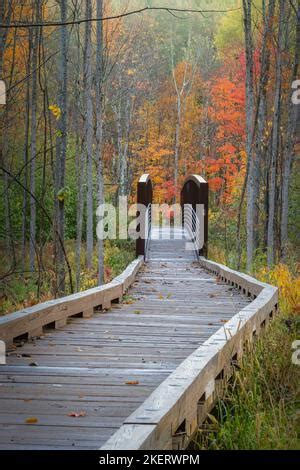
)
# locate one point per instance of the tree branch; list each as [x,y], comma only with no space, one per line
[113,17]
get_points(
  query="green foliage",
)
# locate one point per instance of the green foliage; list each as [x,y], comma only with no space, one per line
[16,292]
[259,408]
[229,36]
[118,254]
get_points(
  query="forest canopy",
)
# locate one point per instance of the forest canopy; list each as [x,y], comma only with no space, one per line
[92,105]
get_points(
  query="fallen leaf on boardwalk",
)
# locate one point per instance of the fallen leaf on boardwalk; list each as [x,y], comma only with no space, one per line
[31,420]
[25,355]
[169,296]
[128,299]
[223,321]
[33,364]
[78,349]
[74,414]
[132,382]
[137,312]
[210,324]
[161,297]
[212,295]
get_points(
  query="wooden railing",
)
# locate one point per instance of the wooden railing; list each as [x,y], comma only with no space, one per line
[32,321]
[174,411]
[172,414]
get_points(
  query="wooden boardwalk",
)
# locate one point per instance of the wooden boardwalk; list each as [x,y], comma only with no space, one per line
[77,384]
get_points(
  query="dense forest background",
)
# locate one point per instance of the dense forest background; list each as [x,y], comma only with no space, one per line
[91,105]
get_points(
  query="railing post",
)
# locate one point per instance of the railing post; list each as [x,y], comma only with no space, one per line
[144,196]
[195,191]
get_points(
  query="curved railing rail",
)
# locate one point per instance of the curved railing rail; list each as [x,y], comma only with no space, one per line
[192,225]
[175,410]
[148,222]
[30,322]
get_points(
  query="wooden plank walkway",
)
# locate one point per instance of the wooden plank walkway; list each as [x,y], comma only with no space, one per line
[104,367]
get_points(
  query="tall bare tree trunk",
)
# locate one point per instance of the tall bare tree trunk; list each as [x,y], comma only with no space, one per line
[80,161]
[25,155]
[249,130]
[125,148]
[181,95]
[61,151]
[89,138]
[123,122]
[177,140]
[275,138]
[99,130]
[289,150]
[260,150]
[6,7]
[33,147]
[5,16]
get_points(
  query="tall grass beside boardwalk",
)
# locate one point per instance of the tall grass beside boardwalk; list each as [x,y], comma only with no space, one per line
[260,407]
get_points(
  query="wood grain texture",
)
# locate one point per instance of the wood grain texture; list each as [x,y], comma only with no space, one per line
[111,366]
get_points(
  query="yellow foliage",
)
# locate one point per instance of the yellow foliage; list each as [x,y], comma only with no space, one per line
[56,111]
[86,282]
[289,286]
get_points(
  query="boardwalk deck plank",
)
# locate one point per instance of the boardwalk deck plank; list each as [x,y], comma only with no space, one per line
[173,306]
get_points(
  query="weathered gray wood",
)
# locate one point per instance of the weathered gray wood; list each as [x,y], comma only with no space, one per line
[138,369]
[190,390]
[32,320]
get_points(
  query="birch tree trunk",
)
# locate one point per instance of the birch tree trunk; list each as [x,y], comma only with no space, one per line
[89,137]
[275,138]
